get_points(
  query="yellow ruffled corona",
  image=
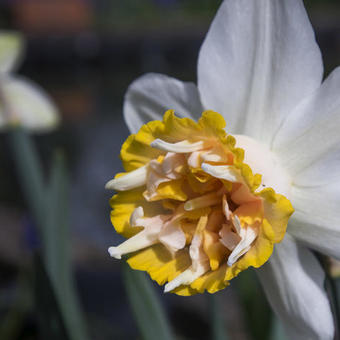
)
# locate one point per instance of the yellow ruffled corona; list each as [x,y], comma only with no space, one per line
[192,210]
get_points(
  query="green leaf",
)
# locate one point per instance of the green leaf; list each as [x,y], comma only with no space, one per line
[277,332]
[12,323]
[30,173]
[256,307]
[55,234]
[146,308]
[49,208]
[51,322]
[56,243]
[216,319]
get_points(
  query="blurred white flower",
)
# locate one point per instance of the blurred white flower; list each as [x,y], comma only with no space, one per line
[261,68]
[11,51]
[21,100]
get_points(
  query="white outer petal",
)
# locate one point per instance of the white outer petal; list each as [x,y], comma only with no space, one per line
[293,281]
[309,145]
[316,220]
[259,59]
[29,103]
[149,96]
[311,132]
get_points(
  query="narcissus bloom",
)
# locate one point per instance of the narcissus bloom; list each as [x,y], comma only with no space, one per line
[194,210]
[21,100]
[204,215]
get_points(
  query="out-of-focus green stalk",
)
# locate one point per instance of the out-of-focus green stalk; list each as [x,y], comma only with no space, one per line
[56,242]
[50,319]
[277,332]
[147,310]
[216,320]
[49,211]
[29,172]
[257,310]
[11,324]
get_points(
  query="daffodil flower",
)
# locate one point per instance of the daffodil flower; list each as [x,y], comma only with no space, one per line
[22,101]
[203,208]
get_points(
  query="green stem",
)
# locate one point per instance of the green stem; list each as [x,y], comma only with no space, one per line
[48,205]
[216,318]
[146,307]
[29,172]
[12,323]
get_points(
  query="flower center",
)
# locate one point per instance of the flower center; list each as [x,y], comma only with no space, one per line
[194,195]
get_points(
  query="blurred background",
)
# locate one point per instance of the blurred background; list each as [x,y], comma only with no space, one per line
[85,54]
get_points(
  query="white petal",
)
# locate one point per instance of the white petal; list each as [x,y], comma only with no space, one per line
[200,265]
[237,224]
[154,179]
[179,147]
[242,247]
[140,241]
[227,212]
[203,201]
[186,277]
[153,225]
[293,281]
[151,95]
[194,159]
[29,103]
[131,180]
[226,172]
[322,172]
[258,61]
[172,237]
[136,215]
[309,145]
[143,239]
[263,161]
[11,50]
[311,132]
[229,238]
[214,155]
[316,220]
[171,162]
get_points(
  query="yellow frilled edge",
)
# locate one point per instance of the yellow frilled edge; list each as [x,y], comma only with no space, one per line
[156,260]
